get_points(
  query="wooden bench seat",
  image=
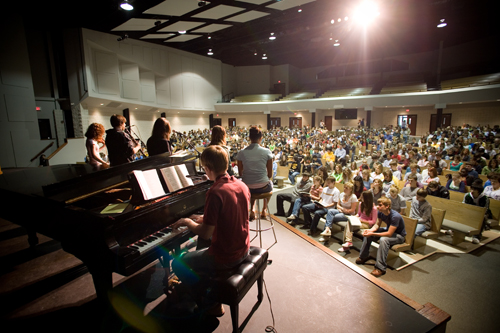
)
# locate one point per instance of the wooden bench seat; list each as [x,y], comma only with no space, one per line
[463,219]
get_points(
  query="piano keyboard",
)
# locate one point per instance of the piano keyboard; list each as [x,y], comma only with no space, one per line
[156,239]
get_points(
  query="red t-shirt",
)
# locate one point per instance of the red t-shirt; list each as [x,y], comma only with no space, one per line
[226,208]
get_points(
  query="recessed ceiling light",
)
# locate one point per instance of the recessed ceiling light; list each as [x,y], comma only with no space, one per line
[300,10]
[337,43]
[125,5]
[442,23]
[272,37]
[182,32]
[210,52]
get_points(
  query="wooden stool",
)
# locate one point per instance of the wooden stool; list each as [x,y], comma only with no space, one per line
[258,228]
[279,181]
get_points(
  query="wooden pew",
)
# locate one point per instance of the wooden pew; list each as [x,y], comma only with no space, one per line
[495,211]
[445,172]
[463,219]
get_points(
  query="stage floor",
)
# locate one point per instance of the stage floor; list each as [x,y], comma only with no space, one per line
[309,287]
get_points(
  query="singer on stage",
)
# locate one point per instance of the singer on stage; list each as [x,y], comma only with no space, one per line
[159,142]
[121,146]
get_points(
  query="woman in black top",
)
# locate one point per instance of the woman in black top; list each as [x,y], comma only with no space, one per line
[159,142]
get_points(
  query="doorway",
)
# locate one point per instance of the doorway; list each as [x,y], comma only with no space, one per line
[410,121]
[328,122]
[445,122]
[275,122]
[295,122]
[231,123]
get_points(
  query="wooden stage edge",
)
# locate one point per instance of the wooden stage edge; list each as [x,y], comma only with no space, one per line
[428,310]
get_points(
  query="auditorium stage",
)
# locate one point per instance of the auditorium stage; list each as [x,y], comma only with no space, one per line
[310,288]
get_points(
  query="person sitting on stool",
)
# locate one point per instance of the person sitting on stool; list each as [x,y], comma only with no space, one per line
[225,220]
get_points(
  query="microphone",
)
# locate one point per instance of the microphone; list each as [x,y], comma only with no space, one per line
[178,133]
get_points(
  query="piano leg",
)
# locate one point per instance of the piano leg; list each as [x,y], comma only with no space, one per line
[103,283]
[32,237]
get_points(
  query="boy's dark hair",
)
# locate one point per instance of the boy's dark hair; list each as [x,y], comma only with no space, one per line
[215,158]
[117,119]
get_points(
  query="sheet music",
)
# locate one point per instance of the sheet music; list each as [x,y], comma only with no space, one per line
[150,184]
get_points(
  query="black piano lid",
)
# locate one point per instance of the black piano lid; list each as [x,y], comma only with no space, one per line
[68,181]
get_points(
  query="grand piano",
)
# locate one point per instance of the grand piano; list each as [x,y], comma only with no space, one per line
[65,202]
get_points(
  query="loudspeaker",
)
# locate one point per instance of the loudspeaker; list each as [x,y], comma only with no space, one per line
[126,114]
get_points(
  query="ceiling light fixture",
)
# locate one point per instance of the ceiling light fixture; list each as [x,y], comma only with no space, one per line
[332,21]
[442,23]
[366,12]
[300,10]
[210,52]
[264,57]
[336,43]
[125,5]
[182,32]
[272,37]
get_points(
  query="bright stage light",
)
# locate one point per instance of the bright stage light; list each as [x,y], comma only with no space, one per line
[366,12]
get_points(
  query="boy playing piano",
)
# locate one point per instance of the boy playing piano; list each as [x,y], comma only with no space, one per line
[225,221]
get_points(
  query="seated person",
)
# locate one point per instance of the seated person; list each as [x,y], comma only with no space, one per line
[314,194]
[457,163]
[225,221]
[347,205]
[367,215]
[437,190]
[421,210]
[432,176]
[338,173]
[387,181]
[493,190]
[367,180]
[377,189]
[329,158]
[294,169]
[413,171]
[409,192]
[476,197]
[455,183]
[329,199]
[396,174]
[398,202]
[303,186]
[391,235]
[491,167]
[469,167]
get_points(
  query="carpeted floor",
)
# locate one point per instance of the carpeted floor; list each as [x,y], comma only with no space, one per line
[463,285]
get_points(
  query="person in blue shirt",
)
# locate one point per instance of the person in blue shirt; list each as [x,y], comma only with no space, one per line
[340,154]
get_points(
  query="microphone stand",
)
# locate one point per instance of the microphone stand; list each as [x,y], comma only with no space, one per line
[198,154]
[130,132]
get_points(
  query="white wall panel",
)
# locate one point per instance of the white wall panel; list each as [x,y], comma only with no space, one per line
[163,90]
[131,89]
[187,91]
[187,66]
[107,84]
[129,72]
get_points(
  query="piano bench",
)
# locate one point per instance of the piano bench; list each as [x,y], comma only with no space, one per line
[231,286]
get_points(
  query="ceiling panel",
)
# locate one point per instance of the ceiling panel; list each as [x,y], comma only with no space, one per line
[255,2]
[180,26]
[218,12]
[282,5]
[157,36]
[173,7]
[182,38]
[212,28]
[248,16]
[137,24]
